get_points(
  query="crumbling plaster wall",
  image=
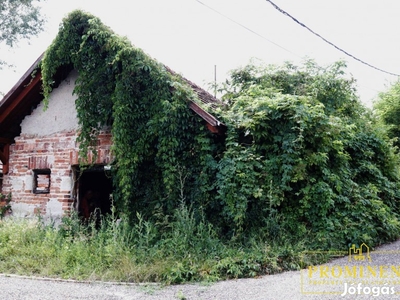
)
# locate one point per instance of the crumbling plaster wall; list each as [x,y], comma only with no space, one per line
[59,116]
[46,140]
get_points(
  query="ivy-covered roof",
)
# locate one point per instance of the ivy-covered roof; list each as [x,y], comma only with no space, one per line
[27,93]
[113,74]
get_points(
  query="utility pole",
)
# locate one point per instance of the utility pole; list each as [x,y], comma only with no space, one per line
[215,81]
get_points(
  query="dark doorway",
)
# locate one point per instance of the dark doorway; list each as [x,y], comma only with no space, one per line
[93,189]
[1,177]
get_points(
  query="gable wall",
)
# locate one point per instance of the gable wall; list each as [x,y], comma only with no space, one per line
[48,141]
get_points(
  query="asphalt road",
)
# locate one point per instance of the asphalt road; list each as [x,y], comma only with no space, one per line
[379,275]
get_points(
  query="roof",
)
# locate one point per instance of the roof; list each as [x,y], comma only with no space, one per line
[26,95]
[206,98]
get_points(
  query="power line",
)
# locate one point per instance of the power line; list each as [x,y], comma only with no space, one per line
[245,27]
[325,40]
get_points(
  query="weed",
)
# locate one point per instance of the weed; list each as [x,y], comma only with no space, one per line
[188,249]
[149,289]
[5,206]
[180,295]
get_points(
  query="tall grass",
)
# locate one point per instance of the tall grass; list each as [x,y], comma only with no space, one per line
[184,250]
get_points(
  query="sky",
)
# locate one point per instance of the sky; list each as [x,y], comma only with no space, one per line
[193,36]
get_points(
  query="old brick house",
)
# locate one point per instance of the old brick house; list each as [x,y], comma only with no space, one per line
[39,152]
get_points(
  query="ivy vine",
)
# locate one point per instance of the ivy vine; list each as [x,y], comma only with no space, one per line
[5,206]
[157,139]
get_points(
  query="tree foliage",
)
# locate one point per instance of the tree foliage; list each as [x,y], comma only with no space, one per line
[19,19]
[387,108]
[301,155]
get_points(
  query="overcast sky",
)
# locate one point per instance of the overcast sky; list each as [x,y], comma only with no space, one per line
[191,38]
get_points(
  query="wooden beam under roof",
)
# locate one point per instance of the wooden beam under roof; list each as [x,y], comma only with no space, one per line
[209,118]
[36,80]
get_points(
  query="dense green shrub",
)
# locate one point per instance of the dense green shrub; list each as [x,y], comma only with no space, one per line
[300,145]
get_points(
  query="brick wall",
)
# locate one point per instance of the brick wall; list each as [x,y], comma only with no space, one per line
[57,152]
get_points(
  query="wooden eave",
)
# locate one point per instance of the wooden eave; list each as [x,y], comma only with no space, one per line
[15,105]
[209,118]
[212,123]
[19,102]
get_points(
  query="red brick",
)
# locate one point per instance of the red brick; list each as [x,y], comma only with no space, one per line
[58,153]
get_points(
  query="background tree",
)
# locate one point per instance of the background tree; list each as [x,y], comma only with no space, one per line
[19,19]
[387,108]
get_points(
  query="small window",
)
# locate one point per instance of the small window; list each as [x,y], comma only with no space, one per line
[41,183]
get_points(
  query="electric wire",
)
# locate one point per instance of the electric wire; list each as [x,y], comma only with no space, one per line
[247,28]
[325,40]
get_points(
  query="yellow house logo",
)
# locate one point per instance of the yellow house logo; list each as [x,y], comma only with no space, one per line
[359,254]
[358,276]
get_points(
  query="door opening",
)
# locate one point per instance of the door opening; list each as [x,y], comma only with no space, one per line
[93,191]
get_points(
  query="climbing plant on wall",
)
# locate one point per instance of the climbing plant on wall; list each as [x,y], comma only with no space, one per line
[162,151]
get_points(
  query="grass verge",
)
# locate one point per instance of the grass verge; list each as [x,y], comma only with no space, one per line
[186,250]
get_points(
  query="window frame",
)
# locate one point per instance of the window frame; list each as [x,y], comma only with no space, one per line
[36,173]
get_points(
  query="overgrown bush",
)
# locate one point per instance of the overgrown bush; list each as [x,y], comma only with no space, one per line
[300,145]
